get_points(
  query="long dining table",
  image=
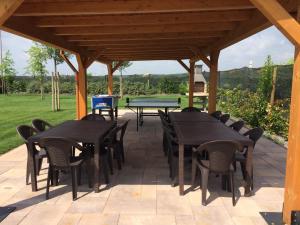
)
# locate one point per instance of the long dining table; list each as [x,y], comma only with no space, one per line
[81,131]
[196,128]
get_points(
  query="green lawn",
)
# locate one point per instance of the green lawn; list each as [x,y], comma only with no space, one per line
[21,109]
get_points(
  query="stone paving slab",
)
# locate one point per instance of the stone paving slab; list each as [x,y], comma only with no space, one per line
[141,194]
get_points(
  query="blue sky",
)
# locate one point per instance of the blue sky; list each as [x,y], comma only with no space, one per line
[255,49]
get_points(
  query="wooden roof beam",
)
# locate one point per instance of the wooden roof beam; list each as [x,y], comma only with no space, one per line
[17,26]
[184,65]
[66,59]
[144,19]
[199,55]
[117,66]
[7,8]
[152,36]
[127,7]
[278,15]
[222,26]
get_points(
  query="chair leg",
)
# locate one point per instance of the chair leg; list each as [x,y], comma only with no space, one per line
[48,181]
[194,171]
[78,170]
[37,164]
[105,170]
[122,152]
[27,171]
[110,161]
[204,182]
[89,171]
[243,168]
[118,156]
[234,165]
[74,182]
[232,187]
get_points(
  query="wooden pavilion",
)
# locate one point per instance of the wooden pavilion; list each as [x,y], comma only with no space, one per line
[117,30]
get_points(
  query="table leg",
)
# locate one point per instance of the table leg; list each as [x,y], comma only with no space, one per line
[116,112]
[137,118]
[249,171]
[97,166]
[181,169]
[32,167]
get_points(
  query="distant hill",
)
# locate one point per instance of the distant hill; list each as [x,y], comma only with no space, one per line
[244,78]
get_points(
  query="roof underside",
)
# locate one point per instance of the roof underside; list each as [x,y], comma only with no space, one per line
[138,29]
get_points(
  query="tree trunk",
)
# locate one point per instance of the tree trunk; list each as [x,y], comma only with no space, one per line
[42,90]
[274,77]
[57,91]
[121,85]
[52,91]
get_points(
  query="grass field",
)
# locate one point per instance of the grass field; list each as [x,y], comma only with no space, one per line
[21,109]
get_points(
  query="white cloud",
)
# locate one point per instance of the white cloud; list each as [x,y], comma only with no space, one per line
[256,48]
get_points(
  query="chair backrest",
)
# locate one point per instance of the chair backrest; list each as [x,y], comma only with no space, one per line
[94,117]
[191,109]
[59,150]
[238,125]
[254,134]
[224,118]
[123,130]
[216,114]
[41,125]
[26,132]
[220,154]
[111,136]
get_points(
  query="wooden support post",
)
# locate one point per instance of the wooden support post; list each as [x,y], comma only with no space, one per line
[191,83]
[81,90]
[292,181]
[213,81]
[184,65]
[110,79]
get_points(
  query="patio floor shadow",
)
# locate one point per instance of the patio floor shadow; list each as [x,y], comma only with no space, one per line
[141,192]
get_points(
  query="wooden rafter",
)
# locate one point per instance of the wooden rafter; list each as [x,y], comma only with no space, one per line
[7,8]
[184,65]
[66,59]
[16,26]
[276,13]
[153,36]
[143,19]
[144,29]
[93,57]
[127,7]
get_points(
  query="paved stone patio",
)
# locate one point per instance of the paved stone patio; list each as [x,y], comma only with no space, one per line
[140,194]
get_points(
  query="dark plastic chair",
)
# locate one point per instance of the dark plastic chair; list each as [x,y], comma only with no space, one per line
[238,125]
[216,114]
[120,139]
[59,152]
[173,154]
[220,158]
[26,132]
[166,123]
[254,134]
[224,118]
[41,125]
[93,117]
[191,109]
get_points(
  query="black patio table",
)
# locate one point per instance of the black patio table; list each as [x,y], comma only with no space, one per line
[79,130]
[191,117]
[200,132]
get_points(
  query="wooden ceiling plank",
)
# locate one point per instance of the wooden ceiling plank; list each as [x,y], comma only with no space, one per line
[144,19]
[152,36]
[222,26]
[43,8]
[7,8]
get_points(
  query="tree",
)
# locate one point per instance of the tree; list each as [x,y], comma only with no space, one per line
[54,54]
[8,72]
[36,65]
[265,79]
[122,67]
